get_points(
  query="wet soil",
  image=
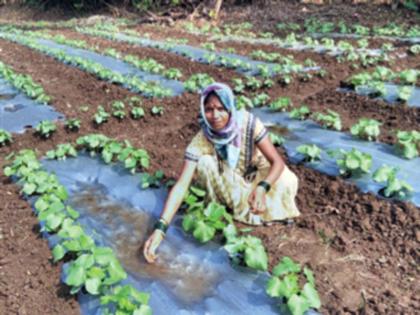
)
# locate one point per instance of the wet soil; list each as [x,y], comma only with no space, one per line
[364,249]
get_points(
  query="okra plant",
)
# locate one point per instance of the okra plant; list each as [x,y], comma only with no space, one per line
[45,128]
[286,282]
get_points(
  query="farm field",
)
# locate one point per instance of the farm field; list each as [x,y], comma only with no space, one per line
[95,120]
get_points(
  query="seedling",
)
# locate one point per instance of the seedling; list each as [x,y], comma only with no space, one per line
[126,300]
[367,129]
[330,120]
[352,163]
[404,93]
[281,104]
[408,144]
[311,152]
[101,116]
[118,110]
[300,113]
[73,124]
[243,102]
[394,187]
[45,128]
[137,112]
[197,82]
[151,181]
[284,283]
[5,137]
[62,152]
[261,99]
[157,110]
[173,74]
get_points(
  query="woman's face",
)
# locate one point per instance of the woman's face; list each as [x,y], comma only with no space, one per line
[216,114]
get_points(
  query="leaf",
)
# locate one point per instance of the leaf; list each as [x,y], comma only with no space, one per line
[58,252]
[203,232]
[297,305]
[273,287]
[92,285]
[143,310]
[188,223]
[256,257]
[197,191]
[287,265]
[309,275]
[72,213]
[311,295]
[76,275]
[29,188]
[103,255]
[289,285]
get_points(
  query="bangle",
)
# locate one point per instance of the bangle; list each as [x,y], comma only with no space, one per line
[161,225]
[265,185]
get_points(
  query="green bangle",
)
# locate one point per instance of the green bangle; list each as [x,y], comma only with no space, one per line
[161,225]
[265,185]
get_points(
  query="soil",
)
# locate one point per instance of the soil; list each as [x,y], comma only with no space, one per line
[363,248]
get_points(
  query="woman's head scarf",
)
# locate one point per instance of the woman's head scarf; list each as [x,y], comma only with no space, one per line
[227,141]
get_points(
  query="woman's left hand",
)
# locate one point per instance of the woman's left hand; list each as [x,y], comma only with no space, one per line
[256,200]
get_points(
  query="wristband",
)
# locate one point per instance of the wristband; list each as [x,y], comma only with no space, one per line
[161,225]
[265,185]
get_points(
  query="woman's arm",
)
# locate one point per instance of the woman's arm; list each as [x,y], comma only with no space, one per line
[172,203]
[256,198]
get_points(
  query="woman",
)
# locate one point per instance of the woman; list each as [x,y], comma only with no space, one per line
[236,163]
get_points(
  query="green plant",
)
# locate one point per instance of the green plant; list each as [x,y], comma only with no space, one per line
[101,116]
[157,110]
[285,284]
[125,300]
[5,137]
[197,82]
[409,76]
[414,49]
[311,152]
[366,129]
[247,250]
[330,120]
[93,142]
[408,144]
[404,93]
[243,102]
[45,128]
[394,187]
[118,110]
[73,124]
[260,99]
[134,158]
[352,162]
[173,74]
[300,113]
[149,180]
[137,112]
[204,221]
[281,104]
[62,152]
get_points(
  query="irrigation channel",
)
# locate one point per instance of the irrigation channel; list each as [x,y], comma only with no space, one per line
[391,95]
[188,278]
[18,112]
[195,53]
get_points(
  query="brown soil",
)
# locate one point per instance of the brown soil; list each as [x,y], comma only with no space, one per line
[364,249]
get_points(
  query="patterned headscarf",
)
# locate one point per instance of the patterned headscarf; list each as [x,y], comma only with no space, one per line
[227,141]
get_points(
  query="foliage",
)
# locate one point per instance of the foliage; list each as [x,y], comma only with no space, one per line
[137,112]
[281,104]
[261,99]
[46,128]
[394,187]
[243,102]
[404,93]
[149,180]
[5,137]
[352,163]
[157,110]
[101,116]
[197,82]
[62,152]
[126,300]
[330,120]
[300,113]
[366,129]
[408,144]
[118,110]
[285,284]
[311,152]
[73,124]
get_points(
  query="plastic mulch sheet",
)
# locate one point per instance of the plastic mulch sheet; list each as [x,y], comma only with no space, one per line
[117,65]
[391,95]
[18,112]
[188,278]
[410,40]
[199,54]
[308,132]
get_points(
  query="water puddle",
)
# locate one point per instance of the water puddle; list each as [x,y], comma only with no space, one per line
[188,280]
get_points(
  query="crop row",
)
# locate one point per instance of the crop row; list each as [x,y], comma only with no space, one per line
[134,83]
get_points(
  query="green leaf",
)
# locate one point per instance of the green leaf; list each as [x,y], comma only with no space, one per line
[273,287]
[29,188]
[103,255]
[76,275]
[58,252]
[188,222]
[143,310]
[92,285]
[287,265]
[289,285]
[203,232]
[309,275]
[297,305]
[256,257]
[197,191]
[72,213]
[311,295]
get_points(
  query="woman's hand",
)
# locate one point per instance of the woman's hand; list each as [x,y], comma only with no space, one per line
[151,245]
[256,200]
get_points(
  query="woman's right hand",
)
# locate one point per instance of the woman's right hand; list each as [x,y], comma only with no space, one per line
[151,245]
